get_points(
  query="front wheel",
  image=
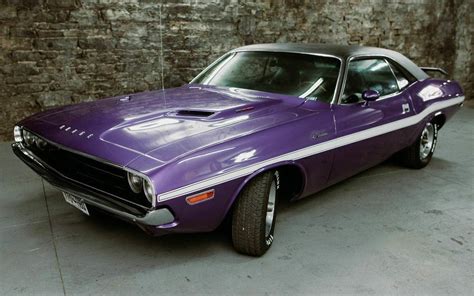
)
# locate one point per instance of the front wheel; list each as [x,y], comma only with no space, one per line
[419,154]
[253,219]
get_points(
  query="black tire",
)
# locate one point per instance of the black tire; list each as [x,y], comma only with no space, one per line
[412,156]
[250,235]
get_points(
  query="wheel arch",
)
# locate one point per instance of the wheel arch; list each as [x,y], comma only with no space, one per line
[439,119]
[288,171]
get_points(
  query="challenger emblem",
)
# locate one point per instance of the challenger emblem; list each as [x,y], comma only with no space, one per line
[405,108]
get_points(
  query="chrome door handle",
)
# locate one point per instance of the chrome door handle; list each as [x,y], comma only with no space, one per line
[317,135]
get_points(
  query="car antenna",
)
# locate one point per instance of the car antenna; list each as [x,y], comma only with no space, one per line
[161,57]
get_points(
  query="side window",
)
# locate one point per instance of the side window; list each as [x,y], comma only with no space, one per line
[367,74]
[404,78]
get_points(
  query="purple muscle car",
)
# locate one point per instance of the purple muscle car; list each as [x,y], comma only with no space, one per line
[263,122]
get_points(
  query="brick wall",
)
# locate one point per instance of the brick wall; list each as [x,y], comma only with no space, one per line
[55,52]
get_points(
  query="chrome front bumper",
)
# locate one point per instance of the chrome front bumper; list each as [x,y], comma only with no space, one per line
[93,197]
[150,218]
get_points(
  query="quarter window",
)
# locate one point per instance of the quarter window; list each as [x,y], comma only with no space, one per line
[403,77]
[367,74]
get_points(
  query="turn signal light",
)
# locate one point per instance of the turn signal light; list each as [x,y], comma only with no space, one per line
[201,197]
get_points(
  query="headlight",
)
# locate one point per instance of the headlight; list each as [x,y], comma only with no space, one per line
[17,134]
[135,182]
[148,189]
[40,143]
[29,138]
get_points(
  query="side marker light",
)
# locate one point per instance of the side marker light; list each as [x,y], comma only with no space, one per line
[200,197]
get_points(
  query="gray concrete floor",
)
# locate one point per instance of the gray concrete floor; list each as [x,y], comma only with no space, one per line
[388,230]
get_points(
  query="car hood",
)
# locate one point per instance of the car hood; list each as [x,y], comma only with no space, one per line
[163,125]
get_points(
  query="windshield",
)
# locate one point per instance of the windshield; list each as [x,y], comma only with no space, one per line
[303,75]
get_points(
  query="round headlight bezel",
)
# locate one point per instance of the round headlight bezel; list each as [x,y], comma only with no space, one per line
[40,143]
[29,138]
[148,190]
[134,182]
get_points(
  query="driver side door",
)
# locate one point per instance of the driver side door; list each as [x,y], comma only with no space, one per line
[361,124]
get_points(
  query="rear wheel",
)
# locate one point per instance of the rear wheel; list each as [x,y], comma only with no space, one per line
[253,219]
[419,154]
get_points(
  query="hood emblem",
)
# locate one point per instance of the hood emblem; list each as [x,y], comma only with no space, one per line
[68,128]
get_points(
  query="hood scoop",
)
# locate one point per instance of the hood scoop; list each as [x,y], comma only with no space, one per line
[194,113]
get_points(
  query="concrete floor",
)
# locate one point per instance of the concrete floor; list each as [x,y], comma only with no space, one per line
[388,230]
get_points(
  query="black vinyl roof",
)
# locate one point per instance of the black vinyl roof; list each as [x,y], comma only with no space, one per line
[342,52]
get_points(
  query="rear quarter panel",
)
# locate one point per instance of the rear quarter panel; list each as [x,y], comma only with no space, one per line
[448,90]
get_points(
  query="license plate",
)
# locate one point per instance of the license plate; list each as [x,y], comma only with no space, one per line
[76,202]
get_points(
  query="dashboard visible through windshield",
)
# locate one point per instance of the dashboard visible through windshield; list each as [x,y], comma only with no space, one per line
[303,75]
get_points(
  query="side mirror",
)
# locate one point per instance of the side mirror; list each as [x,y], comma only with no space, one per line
[370,95]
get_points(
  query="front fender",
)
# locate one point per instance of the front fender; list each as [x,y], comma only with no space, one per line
[275,166]
[207,216]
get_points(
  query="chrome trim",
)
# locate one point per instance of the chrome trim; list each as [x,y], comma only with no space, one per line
[427,139]
[282,51]
[17,134]
[157,217]
[150,198]
[43,164]
[202,192]
[288,51]
[152,217]
[270,214]
[393,74]
[336,89]
[391,63]
[145,177]
[210,66]
[214,73]
[311,150]
[75,151]
[312,88]
[382,56]
[130,183]
[100,160]
[434,69]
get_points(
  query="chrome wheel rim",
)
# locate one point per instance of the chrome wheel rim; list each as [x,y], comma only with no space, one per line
[426,140]
[270,209]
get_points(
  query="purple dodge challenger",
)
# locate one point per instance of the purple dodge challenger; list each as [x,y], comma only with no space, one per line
[261,123]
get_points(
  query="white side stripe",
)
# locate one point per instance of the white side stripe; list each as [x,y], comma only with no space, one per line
[311,150]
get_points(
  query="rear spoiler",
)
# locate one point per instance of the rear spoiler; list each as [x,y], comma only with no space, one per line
[433,69]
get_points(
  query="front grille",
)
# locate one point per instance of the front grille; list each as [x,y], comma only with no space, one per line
[99,175]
